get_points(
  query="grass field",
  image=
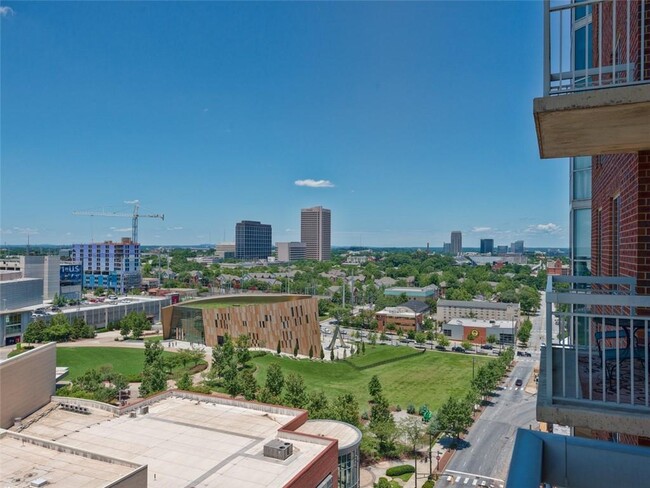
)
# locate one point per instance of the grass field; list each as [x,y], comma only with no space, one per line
[236,301]
[428,378]
[127,361]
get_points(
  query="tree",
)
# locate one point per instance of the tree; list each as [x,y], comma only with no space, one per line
[346,409]
[59,329]
[420,337]
[125,329]
[529,299]
[35,331]
[295,349]
[372,337]
[274,380]
[374,386]
[432,431]
[231,380]
[383,336]
[135,323]
[492,339]
[222,355]
[295,394]
[322,354]
[184,382]
[412,429]
[278,349]
[311,352]
[443,340]
[242,352]
[318,405]
[466,345]
[248,384]
[153,373]
[454,417]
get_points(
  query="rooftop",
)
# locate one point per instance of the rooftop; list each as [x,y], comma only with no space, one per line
[476,304]
[24,459]
[191,440]
[241,301]
[346,434]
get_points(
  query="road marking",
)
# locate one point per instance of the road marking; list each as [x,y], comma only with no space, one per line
[466,480]
[462,473]
[474,482]
[457,479]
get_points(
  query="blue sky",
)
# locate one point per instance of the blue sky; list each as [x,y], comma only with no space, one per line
[419,115]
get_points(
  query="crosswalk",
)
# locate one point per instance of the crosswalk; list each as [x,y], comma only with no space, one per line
[467,479]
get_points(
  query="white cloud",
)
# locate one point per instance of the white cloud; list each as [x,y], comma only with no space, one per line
[121,229]
[549,228]
[174,228]
[6,11]
[481,229]
[315,183]
[25,230]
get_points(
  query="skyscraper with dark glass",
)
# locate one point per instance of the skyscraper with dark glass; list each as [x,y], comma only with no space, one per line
[252,240]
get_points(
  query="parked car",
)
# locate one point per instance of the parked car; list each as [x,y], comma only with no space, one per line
[458,349]
[527,354]
[520,353]
[519,382]
[487,346]
[441,348]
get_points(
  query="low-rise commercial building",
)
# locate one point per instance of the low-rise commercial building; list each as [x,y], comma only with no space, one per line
[225,250]
[400,317]
[477,331]
[291,251]
[454,309]
[190,439]
[412,292]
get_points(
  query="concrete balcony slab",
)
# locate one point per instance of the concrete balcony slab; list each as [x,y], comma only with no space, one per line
[605,121]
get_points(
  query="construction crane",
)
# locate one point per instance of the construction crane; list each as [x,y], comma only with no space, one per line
[134,217]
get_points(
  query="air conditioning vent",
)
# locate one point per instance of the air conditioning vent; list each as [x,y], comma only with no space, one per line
[278,449]
[37,483]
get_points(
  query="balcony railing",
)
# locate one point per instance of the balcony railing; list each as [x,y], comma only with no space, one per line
[593,44]
[597,344]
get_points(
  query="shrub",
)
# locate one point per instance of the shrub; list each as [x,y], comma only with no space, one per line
[410,409]
[398,408]
[365,415]
[400,470]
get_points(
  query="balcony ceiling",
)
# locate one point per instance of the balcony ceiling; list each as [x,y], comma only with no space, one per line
[606,121]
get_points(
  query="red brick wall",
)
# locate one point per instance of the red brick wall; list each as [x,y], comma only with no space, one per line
[626,176]
[318,469]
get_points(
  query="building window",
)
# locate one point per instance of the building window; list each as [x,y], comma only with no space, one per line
[616,236]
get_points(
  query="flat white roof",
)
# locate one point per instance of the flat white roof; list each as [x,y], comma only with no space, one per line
[24,459]
[189,443]
[346,434]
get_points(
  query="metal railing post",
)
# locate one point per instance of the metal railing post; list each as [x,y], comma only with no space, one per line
[549,347]
[547,47]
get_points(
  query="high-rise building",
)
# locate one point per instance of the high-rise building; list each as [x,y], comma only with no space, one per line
[502,249]
[446,247]
[291,251]
[252,240]
[517,247]
[316,232]
[487,246]
[111,265]
[456,242]
[594,370]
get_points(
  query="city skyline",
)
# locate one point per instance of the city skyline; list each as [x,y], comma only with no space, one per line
[253,112]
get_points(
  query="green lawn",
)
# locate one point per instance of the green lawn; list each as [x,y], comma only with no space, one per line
[428,378]
[236,301]
[127,361]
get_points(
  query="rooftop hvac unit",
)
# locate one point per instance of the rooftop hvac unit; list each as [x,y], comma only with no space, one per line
[38,482]
[132,414]
[144,410]
[278,449]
